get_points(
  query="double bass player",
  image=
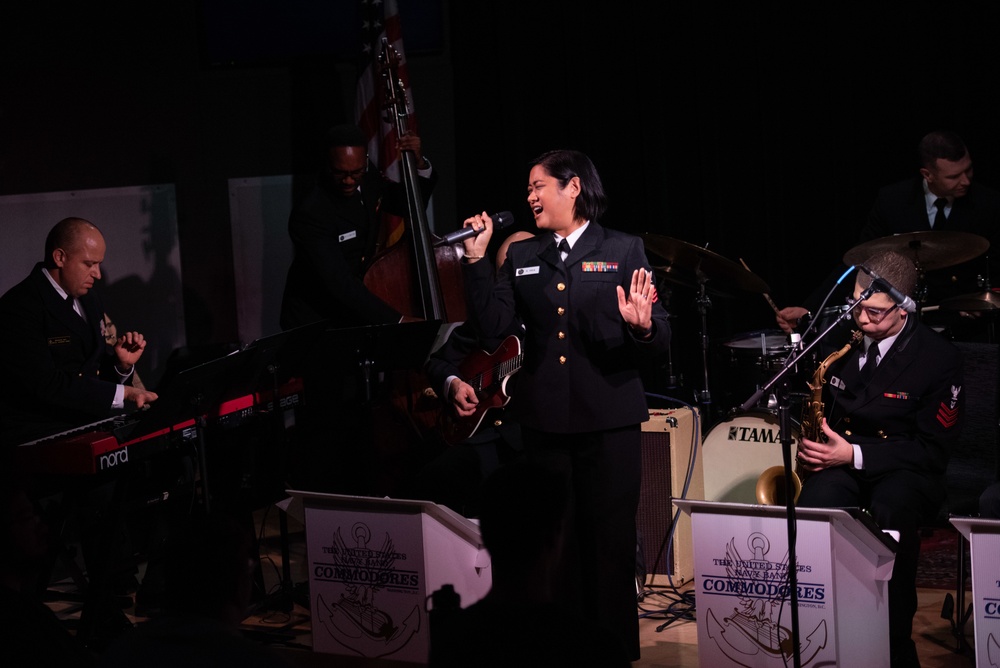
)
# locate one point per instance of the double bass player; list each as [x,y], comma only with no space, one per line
[334,231]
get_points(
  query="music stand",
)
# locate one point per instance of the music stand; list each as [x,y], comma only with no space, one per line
[184,396]
[338,352]
[377,348]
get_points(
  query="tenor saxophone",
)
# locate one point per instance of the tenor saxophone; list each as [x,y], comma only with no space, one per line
[771,483]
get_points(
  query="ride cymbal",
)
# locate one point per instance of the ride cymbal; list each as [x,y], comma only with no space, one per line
[981,301]
[694,266]
[928,250]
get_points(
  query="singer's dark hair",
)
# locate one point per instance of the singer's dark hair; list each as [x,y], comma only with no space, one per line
[940,144]
[563,165]
[898,270]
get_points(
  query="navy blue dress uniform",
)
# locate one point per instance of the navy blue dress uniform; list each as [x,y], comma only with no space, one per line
[901,208]
[62,373]
[582,363]
[455,475]
[905,420]
[580,399]
[334,237]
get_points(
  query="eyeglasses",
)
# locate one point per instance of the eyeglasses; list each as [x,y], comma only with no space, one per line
[875,315]
[341,175]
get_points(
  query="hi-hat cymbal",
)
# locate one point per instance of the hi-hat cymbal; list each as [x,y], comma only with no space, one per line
[928,250]
[980,301]
[692,265]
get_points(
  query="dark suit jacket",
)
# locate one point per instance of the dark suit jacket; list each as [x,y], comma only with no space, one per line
[901,208]
[331,252]
[60,370]
[581,361]
[910,414]
[446,361]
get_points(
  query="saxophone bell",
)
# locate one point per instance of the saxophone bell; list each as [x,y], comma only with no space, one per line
[771,483]
[771,487]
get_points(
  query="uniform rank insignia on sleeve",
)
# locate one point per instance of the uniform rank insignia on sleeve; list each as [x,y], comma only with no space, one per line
[604,267]
[947,413]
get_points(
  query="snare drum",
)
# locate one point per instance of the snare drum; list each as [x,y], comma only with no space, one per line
[736,451]
[752,359]
[761,347]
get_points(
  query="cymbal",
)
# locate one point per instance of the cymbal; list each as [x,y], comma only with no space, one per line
[979,301]
[928,249]
[692,265]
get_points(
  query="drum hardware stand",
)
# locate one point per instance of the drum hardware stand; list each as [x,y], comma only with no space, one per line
[785,438]
[704,396]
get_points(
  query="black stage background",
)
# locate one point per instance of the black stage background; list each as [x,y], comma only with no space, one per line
[762,131]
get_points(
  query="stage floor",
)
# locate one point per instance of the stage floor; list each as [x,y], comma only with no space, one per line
[288,630]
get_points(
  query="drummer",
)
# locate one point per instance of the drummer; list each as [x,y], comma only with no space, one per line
[941,197]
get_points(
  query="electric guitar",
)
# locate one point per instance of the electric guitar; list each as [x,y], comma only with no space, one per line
[488,374]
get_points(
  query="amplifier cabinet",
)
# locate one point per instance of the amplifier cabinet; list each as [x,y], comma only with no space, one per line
[668,441]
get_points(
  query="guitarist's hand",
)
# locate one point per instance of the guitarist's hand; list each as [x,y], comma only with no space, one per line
[463,397]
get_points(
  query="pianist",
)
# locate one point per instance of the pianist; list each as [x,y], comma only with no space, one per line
[61,372]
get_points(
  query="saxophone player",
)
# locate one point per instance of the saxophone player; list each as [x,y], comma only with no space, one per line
[894,407]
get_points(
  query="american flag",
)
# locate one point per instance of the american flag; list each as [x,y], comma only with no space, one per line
[380,18]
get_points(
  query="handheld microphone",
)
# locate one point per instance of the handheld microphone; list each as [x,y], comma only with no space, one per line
[902,300]
[500,220]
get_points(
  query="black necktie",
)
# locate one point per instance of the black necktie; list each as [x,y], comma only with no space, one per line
[940,220]
[563,247]
[870,363]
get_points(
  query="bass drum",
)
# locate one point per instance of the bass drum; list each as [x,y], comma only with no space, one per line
[736,451]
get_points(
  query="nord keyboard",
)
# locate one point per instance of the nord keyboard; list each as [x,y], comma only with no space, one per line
[90,449]
[114,442]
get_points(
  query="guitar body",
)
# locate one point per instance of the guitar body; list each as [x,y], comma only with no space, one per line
[488,374]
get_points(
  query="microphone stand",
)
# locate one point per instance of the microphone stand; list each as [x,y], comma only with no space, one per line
[785,438]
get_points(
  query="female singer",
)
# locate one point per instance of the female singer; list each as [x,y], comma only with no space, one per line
[591,318]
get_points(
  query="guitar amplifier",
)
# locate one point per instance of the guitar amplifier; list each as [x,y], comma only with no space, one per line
[668,441]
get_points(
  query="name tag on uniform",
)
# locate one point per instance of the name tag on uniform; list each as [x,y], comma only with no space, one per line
[347,236]
[526,271]
[603,267]
[58,340]
[837,383]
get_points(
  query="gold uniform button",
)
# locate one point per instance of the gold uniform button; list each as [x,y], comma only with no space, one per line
[561,311]
[561,335]
[562,359]
[560,286]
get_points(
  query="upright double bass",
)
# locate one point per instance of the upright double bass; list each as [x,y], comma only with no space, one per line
[421,281]
[413,276]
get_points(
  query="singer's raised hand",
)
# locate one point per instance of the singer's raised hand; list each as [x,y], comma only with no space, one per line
[475,247]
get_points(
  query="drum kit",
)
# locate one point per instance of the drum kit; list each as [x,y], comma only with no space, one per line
[745,442]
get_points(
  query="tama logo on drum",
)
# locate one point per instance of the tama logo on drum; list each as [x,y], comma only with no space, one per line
[755,434]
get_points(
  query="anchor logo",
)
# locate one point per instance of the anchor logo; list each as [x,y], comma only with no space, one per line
[752,634]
